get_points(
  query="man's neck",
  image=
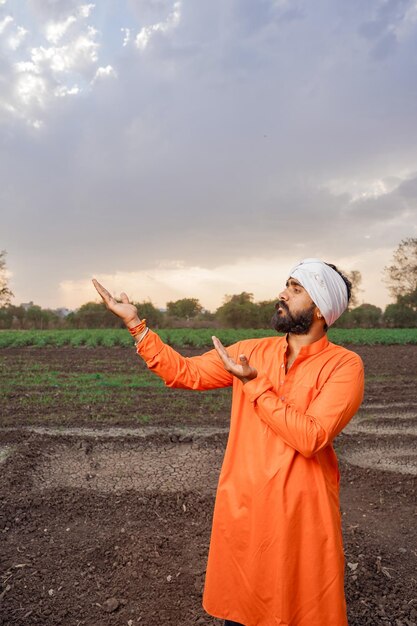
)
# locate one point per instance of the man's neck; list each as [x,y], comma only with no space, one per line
[296,342]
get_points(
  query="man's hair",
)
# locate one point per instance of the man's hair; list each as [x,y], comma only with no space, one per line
[345,280]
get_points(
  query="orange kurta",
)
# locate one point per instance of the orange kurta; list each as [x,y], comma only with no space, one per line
[276,553]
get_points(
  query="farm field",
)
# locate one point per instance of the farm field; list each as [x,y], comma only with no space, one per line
[191,337]
[109,478]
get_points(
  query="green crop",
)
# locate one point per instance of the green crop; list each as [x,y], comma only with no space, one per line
[190,337]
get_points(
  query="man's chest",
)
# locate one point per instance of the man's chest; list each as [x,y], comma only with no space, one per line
[296,380]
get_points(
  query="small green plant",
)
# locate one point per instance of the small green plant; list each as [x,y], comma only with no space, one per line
[191,337]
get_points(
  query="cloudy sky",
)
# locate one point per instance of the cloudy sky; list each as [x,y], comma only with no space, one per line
[183,148]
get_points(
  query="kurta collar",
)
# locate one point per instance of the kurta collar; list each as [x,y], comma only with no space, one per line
[310,349]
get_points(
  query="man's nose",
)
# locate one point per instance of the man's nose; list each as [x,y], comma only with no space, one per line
[283,295]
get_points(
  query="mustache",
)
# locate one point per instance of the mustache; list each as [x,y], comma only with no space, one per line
[281,304]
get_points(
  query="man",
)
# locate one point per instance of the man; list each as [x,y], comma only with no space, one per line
[276,553]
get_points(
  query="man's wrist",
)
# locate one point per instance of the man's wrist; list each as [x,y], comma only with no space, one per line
[132,323]
[138,331]
[138,338]
[247,380]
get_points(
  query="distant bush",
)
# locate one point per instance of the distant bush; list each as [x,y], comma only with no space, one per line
[400,316]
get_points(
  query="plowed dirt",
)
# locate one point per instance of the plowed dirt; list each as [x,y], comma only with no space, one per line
[109,525]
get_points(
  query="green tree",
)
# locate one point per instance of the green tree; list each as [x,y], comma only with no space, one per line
[404,312]
[355,278]
[401,275]
[5,293]
[399,316]
[36,317]
[409,300]
[93,315]
[266,310]
[365,316]
[154,317]
[344,321]
[12,316]
[239,311]
[186,308]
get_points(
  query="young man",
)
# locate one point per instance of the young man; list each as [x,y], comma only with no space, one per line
[276,553]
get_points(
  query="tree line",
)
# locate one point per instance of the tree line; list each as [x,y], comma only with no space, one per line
[237,310]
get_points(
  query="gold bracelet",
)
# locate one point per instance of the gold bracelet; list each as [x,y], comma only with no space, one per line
[138,338]
[139,328]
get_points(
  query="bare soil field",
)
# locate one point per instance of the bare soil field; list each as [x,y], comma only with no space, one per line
[108,484]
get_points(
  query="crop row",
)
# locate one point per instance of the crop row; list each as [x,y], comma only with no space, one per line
[190,337]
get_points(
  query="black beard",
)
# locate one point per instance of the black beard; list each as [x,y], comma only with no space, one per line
[298,324]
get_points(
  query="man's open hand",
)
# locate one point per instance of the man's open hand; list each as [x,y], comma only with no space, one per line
[124,309]
[241,370]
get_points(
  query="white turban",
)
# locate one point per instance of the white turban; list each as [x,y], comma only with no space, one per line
[325,287]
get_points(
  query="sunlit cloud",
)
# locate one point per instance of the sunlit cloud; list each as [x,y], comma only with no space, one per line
[264,278]
[4,23]
[63,91]
[27,66]
[31,89]
[17,38]
[105,72]
[406,24]
[85,9]
[364,188]
[209,285]
[144,36]
[79,53]
[54,31]
[126,36]
[64,64]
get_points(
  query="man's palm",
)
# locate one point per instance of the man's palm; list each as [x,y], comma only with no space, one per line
[124,309]
[242,370]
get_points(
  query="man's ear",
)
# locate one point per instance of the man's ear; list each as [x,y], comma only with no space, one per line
[319,314]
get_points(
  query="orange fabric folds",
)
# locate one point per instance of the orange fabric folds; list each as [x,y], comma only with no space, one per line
[276,554]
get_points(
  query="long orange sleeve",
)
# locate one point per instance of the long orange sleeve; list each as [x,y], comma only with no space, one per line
[199,372]
[327,414]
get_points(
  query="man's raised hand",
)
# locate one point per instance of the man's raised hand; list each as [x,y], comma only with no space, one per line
[124,309]
[241,370]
